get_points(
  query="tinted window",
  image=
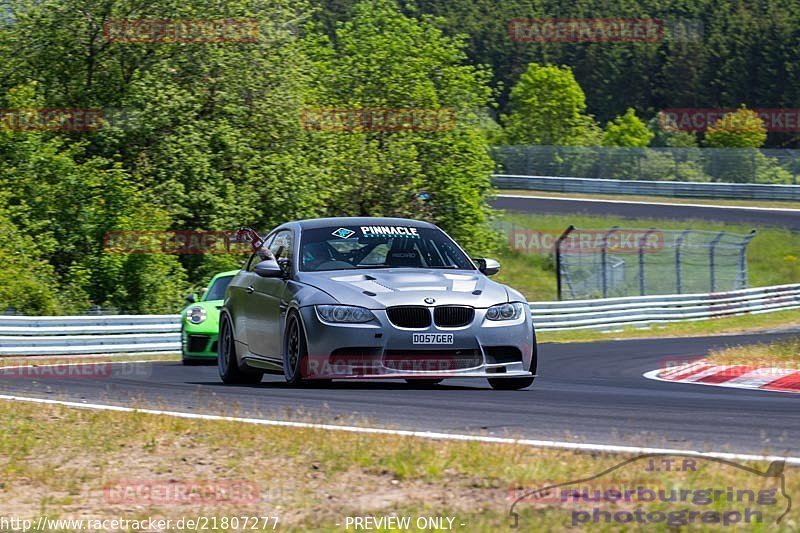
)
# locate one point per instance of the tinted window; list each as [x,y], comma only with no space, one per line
[217,289]
[363,247]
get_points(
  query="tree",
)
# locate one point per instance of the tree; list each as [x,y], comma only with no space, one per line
[742,128]
[742,133]
[547,107]
[627,131]
[382,59]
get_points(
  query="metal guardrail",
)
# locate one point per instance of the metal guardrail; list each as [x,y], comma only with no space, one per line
[643,311]
[161,333]
[63,335]
[685,189]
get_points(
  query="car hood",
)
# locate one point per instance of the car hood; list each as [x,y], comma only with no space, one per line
[379,288]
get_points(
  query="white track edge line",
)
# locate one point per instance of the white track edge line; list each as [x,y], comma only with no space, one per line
[653,374]
[409,433]
[671,204]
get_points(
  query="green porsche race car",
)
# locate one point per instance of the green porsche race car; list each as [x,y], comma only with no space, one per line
[200,321]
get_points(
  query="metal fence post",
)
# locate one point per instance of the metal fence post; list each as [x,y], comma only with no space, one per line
[642,243]
[563,236]
[528,160]
[639,155]
[714,173]
[678,245]
[711,259]
[743,281]
[604,260]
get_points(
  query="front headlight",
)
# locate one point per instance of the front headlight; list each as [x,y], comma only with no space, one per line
[196,315]
[510,311]
[347,314]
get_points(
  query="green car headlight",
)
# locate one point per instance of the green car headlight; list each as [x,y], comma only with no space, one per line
[344,314]
[196,315]
[510,311]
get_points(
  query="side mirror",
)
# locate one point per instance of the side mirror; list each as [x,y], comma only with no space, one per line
[269,268]
[190,298]
[489,267]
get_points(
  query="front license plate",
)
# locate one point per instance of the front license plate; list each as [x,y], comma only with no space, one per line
[432,338]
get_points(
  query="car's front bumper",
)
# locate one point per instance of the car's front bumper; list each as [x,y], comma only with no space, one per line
[483,349]
[198,345]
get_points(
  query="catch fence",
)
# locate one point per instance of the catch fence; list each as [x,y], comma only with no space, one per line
[719,165]
[633,262]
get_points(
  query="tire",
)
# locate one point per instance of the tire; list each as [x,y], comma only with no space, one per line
[424,383]
[510,383]
[198,362]
[295,350]
[518,383]
[227,363]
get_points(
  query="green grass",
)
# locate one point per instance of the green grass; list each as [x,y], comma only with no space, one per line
[56,461]
[773,255]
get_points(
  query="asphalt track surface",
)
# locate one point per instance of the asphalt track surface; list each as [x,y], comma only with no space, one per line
[556,206]
[585,393]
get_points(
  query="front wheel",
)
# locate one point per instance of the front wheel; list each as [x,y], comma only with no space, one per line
[518,383]
[295,353]
[227,364]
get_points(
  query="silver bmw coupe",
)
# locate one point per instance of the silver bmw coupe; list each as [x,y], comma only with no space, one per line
[372,298]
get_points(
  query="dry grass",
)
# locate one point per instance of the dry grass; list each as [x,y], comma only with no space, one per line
[784,354]
[658,199]
[56,461]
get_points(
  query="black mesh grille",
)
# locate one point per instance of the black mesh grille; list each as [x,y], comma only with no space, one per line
[409,316]
[502,354]
[197,343]
[431,360]
[452,316]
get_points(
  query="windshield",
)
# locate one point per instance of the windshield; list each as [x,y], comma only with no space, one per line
[217,289]
[365,247]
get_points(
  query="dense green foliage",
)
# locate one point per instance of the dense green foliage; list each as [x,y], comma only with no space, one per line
[548,107]
[211,136]
[627,130]
[739,129]
[715,53]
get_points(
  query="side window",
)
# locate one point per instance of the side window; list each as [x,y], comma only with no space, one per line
[283,239]
[257,257]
